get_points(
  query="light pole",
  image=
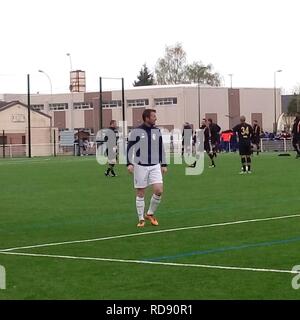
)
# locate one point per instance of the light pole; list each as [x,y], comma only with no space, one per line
[199,103]
[71,90]
[70,59]
[230,75]
[29,115]
[41,71]
[275,106]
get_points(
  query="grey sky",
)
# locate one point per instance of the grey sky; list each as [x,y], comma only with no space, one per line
[249,38]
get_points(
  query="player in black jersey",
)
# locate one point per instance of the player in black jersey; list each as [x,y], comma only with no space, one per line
[245,133]
[256,136]
[296,136]
[214,130]
[211,131]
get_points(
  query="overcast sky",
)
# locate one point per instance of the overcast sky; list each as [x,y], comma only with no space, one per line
[248,38]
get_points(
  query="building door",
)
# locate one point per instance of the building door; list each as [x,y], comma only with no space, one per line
[234,107]
[59,119]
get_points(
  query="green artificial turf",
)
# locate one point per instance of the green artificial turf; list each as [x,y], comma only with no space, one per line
[63,199]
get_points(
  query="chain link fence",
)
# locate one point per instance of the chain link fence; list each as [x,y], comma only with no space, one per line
[173,144]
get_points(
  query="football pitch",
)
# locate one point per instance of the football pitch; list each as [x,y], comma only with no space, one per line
[69,232]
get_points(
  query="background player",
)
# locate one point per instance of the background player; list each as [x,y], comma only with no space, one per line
[112,158]
[209,147]
[245,132]
[214,130]
[296,135]
[256,136]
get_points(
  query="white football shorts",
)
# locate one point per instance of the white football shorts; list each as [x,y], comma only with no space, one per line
[145,176]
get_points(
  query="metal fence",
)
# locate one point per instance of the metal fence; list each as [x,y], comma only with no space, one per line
[14,143]
[21,150]
[283,145]
[55,149]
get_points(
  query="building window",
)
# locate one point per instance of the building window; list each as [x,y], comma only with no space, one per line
[138,102]
[37,107]
[165,101]
[112,104]
[58,106]
[3,140]
[82,105]
[18,118]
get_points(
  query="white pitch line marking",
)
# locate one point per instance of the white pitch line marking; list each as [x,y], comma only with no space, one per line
[150,232]
[171,264]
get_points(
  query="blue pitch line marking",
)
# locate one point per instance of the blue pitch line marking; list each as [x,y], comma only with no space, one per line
[224,249]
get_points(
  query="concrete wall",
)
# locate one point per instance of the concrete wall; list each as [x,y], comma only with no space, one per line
[79,118]
[260,101]
[215,101]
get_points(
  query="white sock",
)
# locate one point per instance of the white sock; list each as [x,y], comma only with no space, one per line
[154,202]
[140,207]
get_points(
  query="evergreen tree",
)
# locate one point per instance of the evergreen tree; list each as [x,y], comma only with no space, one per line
[145,77]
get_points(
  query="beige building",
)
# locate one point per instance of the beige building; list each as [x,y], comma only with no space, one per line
[14,130]
[175,104]
[178,104]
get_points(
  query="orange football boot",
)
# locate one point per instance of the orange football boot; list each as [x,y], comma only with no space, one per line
[141,224]
[152,219]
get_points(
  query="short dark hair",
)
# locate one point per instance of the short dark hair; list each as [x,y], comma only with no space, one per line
[254,120]
[112,121]
[147,113]
[209,120]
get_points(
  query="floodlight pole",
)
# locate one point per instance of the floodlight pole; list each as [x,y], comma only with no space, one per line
[100,104]
[101,100]
[275,106]
[123,101]
[3,143]
[54,143]
[199,104]
[29,113]
[71,91]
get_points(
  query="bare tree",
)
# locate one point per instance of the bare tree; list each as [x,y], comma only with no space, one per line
[171,68]
[200,73]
